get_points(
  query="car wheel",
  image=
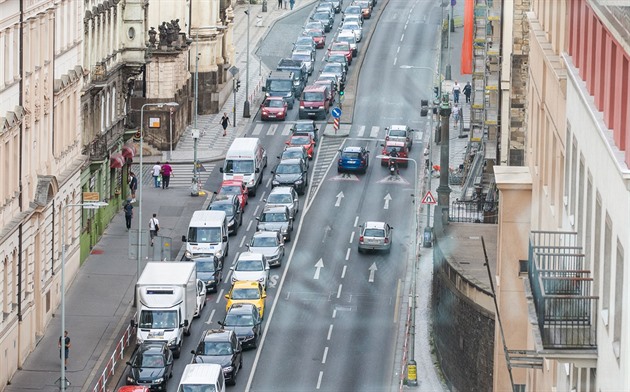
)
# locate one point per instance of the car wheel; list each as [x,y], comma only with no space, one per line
[170,375]
[240,223]
[233,382]
[339,169]
[177,352]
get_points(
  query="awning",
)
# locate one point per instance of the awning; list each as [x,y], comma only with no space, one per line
[116,161]
[129,151]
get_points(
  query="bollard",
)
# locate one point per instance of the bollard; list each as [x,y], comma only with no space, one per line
[259,22]
[412,375]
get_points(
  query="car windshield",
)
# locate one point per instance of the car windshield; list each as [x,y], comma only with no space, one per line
[321,16]
[245,294]
[353,10]
[288,169]
[313,33]
[264,242]
[303,57]
[334,68]
[337,58]
[149,361]
[346,39]
[351,25]
[350,155]
[304,41]
[211,235]
[292,154]
[280,85]
[249,265]
[300,140]
[228,208]
[339,46]
[239,320]
[157,319]
[305,47]
[313,97]
[274,217]
[231,190]
[374,233]
[303,127]
[398,132]
[280,198]
[233,166]
[217,348]
[313,25]
[205,266]
[274,103]
[197,388]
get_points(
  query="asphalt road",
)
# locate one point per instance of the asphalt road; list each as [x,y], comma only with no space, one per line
[336,327]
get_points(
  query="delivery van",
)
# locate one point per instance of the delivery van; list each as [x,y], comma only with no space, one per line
[246,158]
[207,234]
[201,377]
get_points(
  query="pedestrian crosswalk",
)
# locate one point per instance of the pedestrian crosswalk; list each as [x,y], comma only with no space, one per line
[355,130]
[182,174]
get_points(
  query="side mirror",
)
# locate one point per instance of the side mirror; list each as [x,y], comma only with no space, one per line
[231,269]
[221,323]
[185,323]
[267,268]
[273,171]
[132,323]
[227,296]
[193,352]
[225,238]
[265,200]
[257,170]
[184,238]
[264,295]
[221,170]
[128,363]
[258,219]
[264,88]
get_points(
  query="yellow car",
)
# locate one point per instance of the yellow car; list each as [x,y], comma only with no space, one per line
[249,292]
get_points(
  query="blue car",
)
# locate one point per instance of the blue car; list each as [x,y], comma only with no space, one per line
[353,159]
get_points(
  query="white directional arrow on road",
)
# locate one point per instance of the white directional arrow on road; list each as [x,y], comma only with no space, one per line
[339,197]
[387,199]
[318,266]
[372,269]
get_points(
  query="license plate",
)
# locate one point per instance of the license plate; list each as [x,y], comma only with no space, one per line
[352,162]
[271,115]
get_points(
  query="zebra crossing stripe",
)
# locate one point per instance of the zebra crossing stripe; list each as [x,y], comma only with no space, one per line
[257,129]
[286,130]
[374,132]
[361,131]
[272,130]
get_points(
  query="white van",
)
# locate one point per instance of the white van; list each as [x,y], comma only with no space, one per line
[246,158]
[202,377]
[207,234]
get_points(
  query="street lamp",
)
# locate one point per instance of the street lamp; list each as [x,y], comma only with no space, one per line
[158,105]
[91,206]
[246,103]
[411,364]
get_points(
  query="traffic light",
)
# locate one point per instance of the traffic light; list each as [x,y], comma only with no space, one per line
[238,84]
[340,87]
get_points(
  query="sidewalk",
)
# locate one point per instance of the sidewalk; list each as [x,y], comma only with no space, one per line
[99,301]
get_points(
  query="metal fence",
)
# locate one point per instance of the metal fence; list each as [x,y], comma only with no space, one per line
[474,211]
[117,356]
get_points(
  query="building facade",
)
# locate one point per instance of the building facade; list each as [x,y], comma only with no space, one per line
[563,284]
[40,151]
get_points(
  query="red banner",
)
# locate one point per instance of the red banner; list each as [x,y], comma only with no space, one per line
[467,47]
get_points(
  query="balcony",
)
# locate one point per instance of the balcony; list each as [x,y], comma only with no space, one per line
[561,290]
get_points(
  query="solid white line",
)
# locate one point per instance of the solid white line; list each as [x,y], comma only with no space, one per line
[347,254]
[249,225]
[397,304]
[343,272]
[325,354]
[242,242]
[262,196]
[310,185]
[319,379]
[356,221]
[330,328]
[339,291]
[352,237]
[219,296]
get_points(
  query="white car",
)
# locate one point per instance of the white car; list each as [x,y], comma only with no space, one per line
[284,196]
[355,28]
[251,266]
[354,18]
[201,297]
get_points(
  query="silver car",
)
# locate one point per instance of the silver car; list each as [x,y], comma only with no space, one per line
[270,244]
[276,219]
[284,196]
[375,236]
[354,27]
[307,57]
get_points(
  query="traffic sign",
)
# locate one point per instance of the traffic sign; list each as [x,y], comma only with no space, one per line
[428,198]
[336,112]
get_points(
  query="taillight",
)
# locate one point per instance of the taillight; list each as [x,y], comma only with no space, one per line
[407,139]
[360,238]
[340,161]
[363,161]
[387,137]
[386,240]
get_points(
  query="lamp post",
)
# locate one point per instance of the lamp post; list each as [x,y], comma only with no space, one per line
[158,105]
[411,362]
[246,113]
[92,206]
[443,190]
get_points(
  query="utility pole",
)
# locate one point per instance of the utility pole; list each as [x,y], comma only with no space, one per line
[443,189]
[246,104]
[194,188]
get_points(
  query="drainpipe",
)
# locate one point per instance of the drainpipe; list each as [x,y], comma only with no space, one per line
[20,99]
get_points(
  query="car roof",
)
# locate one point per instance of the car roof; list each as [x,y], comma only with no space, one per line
[242,307]
[233,182]
[353,149]
[250,256]
[273,234]
[217,335]
[281,189]
[398,127]
[305,52]
[275,209]
[245,284]
[374,225]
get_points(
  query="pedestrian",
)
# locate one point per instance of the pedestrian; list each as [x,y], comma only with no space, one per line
[455,114]
[285,4]
[167,172]
[456,91]
[225,121]
[133,185]
[467,91]
[154,227]
[291,3]
[157,168]
[128,213]
[279,4]
[66,350]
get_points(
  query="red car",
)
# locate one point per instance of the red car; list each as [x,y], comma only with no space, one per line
[303,140]
[318,37]
[235,187]
[341,48]
[401,149]
[273,108]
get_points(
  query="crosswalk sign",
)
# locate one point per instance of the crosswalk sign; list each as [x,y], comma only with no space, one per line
[428,198]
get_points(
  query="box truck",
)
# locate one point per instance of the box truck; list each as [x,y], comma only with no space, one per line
[166,299]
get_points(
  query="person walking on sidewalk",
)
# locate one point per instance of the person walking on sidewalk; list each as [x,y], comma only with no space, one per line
[154,227]
[467,91]
[225,121]
[128,213]
[291,3]
[167,172]
[455,114]
[279,4]
[285,4]
[133,185]
[157,168]
[66,348]
[456,91]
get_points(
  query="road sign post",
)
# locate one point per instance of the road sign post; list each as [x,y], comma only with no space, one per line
[336,113]
[336,124]
[427,238]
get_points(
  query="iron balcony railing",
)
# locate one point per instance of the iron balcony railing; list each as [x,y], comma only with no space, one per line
[562,291]
[474,211]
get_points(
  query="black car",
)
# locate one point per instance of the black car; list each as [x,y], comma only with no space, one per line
[244,320]
[305,127]
[291,172]
[151,366]
[209,270]
[222,347]
[232,207]
[326,18]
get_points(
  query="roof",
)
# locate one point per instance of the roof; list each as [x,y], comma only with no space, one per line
[250,256]
[398,127]
[217,335]
[200,373]
[282,189]
[374,225]
[352,149]
[206,218]
[161,272]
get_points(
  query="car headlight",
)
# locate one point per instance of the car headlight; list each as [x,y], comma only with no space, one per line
[188,255]
[264,112]
[139,340]
[251,182]
[284,230]
[321,106]
[231,222]
[228,369]
[159,380]
[299,182]
[267,94]
[219,253]
[172,342]
[301,106]
[131,380]
[275,182]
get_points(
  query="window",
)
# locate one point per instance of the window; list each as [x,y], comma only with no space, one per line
[588,235]
[580,195]
[573,175]
[619,290]
[607,266]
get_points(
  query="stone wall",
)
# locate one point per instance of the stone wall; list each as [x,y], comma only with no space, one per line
[518,92]
[463,330]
